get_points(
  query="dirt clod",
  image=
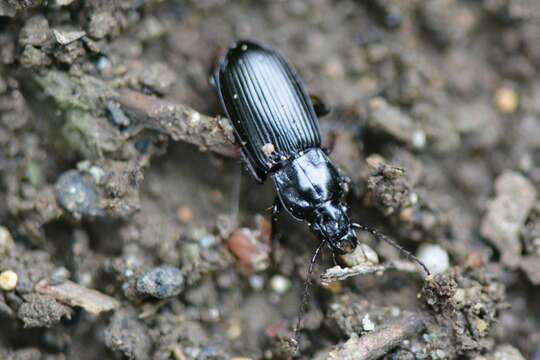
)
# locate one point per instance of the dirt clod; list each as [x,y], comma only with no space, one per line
[126,335]
[515,197]
[42,311]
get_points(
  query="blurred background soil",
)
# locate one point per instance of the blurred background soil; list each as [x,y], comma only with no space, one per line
[118,241]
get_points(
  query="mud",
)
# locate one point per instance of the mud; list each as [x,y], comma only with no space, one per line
[116,163]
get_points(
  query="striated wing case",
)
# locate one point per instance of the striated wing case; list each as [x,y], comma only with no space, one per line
[267,104]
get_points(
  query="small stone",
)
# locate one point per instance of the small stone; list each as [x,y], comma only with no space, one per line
[253,255]
[530,264]
[506,100]
[35,31]
[103,64]
[62,2]
[367,324]
[361,254]
[390,120]
[6,242]
[507,352]
[459,297]
[66,36]
[434,257]
[419,139]
[185,214]
[256,282]
[101,24]
[280,284]
[440,354]
[161,282]
[482,326]
[118,116]
[77,195]
[158,77]
[514,198]
[8,280]
[34,57]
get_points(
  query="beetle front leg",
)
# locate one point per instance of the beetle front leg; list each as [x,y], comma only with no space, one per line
[276,210]
[275,234]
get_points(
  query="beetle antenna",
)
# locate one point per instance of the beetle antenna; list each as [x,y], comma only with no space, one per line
[379,236]
[306,294]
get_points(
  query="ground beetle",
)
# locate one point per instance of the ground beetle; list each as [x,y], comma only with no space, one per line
[277,128]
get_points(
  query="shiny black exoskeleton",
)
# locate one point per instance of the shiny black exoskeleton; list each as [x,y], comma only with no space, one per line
[277,128]
[276,125]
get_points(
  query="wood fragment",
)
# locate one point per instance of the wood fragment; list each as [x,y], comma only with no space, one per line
[339,273]
[180,122]
[73,294]
[373,345]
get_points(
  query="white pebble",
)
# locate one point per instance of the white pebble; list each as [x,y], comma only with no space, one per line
[367,324]
[256,282]
[419,139]
[8,280]
[360,255]
[434,257]
[280,284]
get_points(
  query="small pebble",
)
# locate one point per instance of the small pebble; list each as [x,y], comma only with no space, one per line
[256,282]
[434,257]
[118,116]
[419,139]
[280,284]
[103,64]
[6,242]
[362,254]
[67,36]
[185,214]
[161,282]
[77,195]
[8,280]
[482,326]
[208,241]
[367,324]
[506,100]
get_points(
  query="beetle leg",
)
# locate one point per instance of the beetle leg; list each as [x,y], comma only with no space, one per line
[276,210]
[321,109]
[250,169]
[379,236]
[306,294]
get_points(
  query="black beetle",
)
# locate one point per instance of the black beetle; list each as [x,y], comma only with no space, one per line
[277,128]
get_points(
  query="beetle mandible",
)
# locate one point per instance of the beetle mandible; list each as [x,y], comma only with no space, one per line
[277,128]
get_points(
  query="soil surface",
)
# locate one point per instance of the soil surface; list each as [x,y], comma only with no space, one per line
[129,228]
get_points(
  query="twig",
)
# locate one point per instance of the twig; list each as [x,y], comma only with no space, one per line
[338,273]
[73,294]
[374,345]
[180,122]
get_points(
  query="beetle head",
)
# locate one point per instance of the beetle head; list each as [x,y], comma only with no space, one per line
[330,222]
